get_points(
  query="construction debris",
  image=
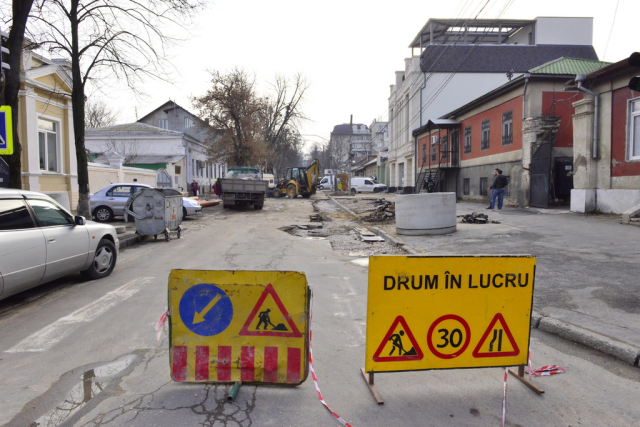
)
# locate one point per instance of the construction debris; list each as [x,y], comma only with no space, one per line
[477,218]
[368,236]
[316,218]
[382,210]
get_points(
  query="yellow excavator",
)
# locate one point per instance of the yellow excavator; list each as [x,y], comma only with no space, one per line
[299,181]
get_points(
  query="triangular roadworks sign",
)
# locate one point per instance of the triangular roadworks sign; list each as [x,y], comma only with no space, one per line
[494,334]
[289,330]
[414,353]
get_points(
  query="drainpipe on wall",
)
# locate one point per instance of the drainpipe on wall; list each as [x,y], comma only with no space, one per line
[580,78]
[524,95]
[415,164]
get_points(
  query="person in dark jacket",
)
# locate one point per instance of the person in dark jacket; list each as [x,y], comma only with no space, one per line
[497,189]
[195,188]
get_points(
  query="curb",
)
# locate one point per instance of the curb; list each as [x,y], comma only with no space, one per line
[395,241]
[130,241]
[344,208]
[593,340]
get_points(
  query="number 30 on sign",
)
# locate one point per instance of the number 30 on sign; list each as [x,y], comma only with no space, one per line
[448,312]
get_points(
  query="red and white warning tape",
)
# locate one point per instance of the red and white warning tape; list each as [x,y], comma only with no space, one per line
[546,371]
[160,324]
[313,372]
[504,397]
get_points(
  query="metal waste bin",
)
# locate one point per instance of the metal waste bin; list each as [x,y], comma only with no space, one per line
[156,210]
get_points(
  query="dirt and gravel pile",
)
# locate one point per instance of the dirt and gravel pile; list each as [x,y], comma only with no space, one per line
[339,229]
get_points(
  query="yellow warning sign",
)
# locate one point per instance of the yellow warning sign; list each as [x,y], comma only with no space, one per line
[248,326]
[448,312]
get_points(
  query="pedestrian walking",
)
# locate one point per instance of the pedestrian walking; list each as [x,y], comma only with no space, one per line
[195,188]
[497,189]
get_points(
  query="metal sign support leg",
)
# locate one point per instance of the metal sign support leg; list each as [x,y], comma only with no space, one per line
[520,376]
[368,378]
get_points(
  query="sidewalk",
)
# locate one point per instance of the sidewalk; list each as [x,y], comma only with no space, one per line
[588,266]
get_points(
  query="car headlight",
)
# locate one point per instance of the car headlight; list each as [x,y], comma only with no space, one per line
[191,202]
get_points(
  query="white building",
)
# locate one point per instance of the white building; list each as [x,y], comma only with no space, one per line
[379,136]
[177,157]
[460,60]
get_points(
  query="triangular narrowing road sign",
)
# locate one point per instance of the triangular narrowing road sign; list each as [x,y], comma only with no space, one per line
[276,331]
[496,335]
[415,352]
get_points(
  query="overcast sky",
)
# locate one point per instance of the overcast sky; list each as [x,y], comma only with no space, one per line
[348,49]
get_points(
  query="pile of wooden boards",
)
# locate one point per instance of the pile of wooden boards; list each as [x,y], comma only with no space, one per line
[382,210]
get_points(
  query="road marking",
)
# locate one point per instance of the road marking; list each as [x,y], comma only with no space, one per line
[50,335]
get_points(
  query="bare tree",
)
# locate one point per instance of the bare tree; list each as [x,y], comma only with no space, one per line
[18,21]
[235,111]
[129,149]
[283,116]
[98,114]
[123,39]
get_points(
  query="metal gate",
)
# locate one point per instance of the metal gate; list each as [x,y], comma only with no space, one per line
[540,173]
[163,180]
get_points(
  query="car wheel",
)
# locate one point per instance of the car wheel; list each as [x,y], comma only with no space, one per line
[103,214]
[184,212]
[104,261]
[277,193]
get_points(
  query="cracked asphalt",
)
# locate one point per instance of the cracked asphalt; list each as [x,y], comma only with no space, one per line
[102,366]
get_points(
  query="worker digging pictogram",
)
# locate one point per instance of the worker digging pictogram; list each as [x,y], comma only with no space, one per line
[265,320]
[269,317]
[398,344]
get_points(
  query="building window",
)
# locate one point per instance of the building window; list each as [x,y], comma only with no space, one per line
[445,146]
[467,139]
[188,122]
[455,140]
[484,141]
[507,128]
[178,169]
[634,129]
[483,186]
[466,184]
[424,153]
[163,124]
[48,145]
[434,148]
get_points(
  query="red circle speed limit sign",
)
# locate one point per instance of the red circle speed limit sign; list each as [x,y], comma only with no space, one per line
[448,336]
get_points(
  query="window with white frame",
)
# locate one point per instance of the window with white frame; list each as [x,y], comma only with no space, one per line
[434,147]
[484,141]
[188,122]
[507,128]
[163,124]
[467,139]
[48,137]
[634,129]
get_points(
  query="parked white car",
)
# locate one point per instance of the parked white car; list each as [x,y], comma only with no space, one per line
[40,241]
[366,185]
[109,202]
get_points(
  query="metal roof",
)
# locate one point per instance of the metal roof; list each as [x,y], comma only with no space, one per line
[476,30]
[145,159]
[567,65]
[497,58]
[437,124]
[132,129]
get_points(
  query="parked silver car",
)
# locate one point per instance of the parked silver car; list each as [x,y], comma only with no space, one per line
[40,241]
[109,202]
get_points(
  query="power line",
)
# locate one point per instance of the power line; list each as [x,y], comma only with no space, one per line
[615,14]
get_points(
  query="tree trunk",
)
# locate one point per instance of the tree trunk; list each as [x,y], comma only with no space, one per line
[21,9]
[77,100]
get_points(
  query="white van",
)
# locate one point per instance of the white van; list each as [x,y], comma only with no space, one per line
[326,183]
[366,185]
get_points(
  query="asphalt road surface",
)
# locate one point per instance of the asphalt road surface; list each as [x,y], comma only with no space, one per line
[85,353]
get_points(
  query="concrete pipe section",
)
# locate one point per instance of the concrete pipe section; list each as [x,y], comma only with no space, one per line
[427,213]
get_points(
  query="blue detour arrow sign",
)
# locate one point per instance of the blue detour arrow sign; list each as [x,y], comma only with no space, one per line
[206,309]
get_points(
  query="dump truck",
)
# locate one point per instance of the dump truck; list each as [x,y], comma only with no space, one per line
[299,181]
[236,191]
